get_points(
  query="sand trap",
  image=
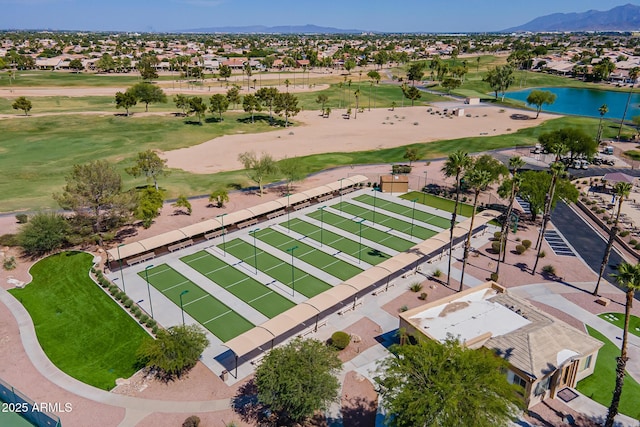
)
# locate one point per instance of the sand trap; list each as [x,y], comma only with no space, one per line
[375,129]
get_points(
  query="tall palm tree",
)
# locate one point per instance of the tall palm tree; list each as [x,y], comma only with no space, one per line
[622,191]
[357,96]
[557,170]
[633,75]
[478,180]
[515,163]
[456,164]
[628,277]
[602,110]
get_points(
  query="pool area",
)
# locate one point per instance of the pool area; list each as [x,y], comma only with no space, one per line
[585,102]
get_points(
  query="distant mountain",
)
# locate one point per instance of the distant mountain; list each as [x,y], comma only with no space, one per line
[283,29]
[621,18]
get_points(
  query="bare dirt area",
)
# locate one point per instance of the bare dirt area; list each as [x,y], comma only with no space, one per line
[359,401]
[363,333]
[336,134]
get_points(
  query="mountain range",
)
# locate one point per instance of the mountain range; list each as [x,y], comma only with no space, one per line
[620,18]
[282,29]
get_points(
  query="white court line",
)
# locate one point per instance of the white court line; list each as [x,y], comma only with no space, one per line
[197,299]
[217,317]
[175,286]
[261,296]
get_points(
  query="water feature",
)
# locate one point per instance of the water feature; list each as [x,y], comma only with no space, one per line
[585,102]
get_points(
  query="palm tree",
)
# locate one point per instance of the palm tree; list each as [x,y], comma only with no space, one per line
[628,277]
[357,96]
[557,170]
[456,164]
[515,163]
[633,75]
[622,190]
[602,110]
[478,180]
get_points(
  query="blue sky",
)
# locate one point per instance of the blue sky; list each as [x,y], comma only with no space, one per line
[380,15]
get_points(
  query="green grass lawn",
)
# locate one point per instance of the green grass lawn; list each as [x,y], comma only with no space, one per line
[71,104]
[599,386]
[406,211]
[210,312]
[80,328]
[339,242]
[439,202]
[305,283]
[634,321]
[249,290]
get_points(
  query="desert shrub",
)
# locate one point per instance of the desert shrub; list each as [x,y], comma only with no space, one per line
[416,287]
[113,289]
[497,235]
[495,247]
[605,218]
[9,240]
[120,296]
[143,318]
[549,269]
[128,302]
[584,182]
[494,276]
[104,282]
[404,308]
[155,330]
[637,246]
[520,249]
[624,233]
[340,340]
[138,313]
[542,254]
[594,209]
[526,243]
[192,421]
[22,218]
[423,296]
[437,273]
[150,323]
[9,263]
[633,242]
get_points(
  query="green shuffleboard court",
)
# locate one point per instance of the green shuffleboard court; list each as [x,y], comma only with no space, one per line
[319,259]
[306,284]
[246,288]
[369,233]
[387,221]
[328,238]
[405,211]
[210,312]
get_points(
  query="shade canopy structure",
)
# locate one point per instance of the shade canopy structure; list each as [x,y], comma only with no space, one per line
[285,322]
[615,177]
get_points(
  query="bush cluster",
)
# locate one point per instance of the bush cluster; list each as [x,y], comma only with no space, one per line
[520,249]
[340,340]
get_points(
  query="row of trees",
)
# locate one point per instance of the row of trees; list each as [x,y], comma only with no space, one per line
[146,93]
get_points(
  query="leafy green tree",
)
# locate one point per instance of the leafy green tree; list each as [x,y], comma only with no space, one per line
[287,104]
[292,169]
[22,103]
[183,202]
[499,79]
[147,67]
[622,190]
[540,98]
[106,63]
[575,140]
[451,83]
[412,93]
[150,202]
[628,277]
[258,168]
[233,95]
[251,104]
[219,104]
[182,103]
[535,185]
[95,189]
[126,100]
[349,65]
[148,93]
[322,99]
[174,351]
[415,71]
[76,65]
[198,107]
[445,384]
[220,197]
[299,378]
[150,165]
[44,233]
[224,71]
[411,154]
[267,96]
[455,165]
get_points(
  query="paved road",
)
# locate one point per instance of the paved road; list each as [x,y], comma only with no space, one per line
[589,245]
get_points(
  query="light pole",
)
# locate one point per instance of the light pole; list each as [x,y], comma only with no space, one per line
[255,251]
[288,214]
[146,276]
[124,289]
[293,274]
[413,215]
[321,209]
[424,193]
[374,205]
[341,179]
[360,247]
[224,232]
[186,291]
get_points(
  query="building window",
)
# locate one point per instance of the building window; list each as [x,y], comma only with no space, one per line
[587,362]
[517,380]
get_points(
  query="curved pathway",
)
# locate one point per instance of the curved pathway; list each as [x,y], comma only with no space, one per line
[136,408]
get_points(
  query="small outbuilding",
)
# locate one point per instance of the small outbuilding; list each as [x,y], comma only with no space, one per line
[472,101]
[394,183]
